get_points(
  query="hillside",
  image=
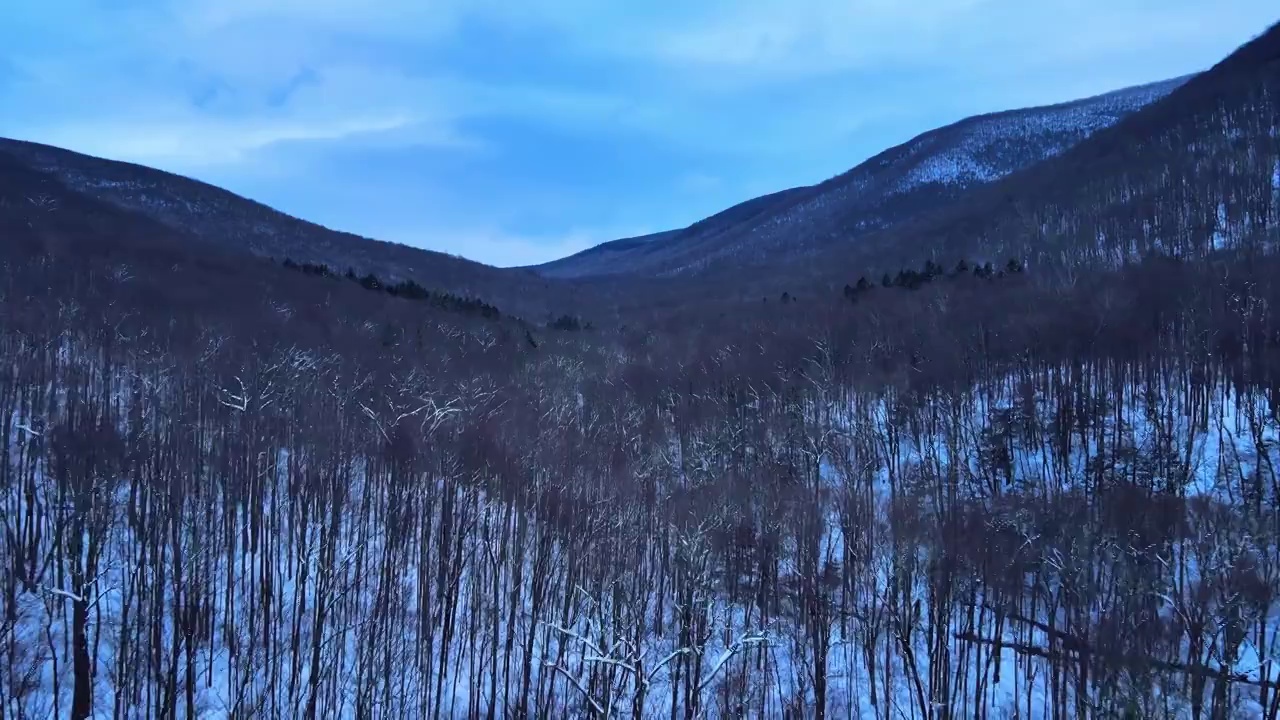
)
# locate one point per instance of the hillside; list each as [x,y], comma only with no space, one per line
[619,257]
[603,258]
[897,185]
[210,214]
[1194,173]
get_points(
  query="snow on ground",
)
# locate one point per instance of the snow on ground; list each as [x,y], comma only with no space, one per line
[962,161]
[242,670]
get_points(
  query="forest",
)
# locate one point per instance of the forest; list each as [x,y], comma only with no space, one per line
[1011,485]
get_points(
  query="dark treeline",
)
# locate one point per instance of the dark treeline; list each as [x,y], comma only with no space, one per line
[1015,499]
[569,323]
[915,279]
[410,290]
[407,289]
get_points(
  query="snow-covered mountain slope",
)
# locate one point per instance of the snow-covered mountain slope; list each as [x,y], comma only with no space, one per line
[988,147]
[1188,175]
[896,185]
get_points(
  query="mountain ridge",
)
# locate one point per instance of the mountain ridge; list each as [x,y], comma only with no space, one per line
[211,214]
[1195,172]
[895,184]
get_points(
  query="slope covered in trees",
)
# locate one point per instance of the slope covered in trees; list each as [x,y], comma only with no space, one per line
[931,170]
[223,518]
[1193,173]
[196,211]
[230,488]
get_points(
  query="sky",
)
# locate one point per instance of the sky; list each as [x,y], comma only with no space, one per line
[515,132]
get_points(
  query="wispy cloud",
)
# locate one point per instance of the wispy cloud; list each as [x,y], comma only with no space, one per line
[778,40]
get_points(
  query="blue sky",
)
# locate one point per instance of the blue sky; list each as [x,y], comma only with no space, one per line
[518,131]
